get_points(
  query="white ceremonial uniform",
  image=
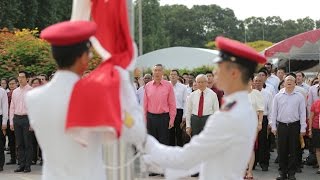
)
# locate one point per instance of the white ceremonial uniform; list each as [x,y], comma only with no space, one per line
[64,158]
[222,149]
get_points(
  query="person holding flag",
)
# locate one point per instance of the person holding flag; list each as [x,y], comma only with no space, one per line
[73,117]
[223,148]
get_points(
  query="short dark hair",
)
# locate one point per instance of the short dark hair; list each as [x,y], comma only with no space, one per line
[176,70]
[4,79]
[25,73]
[35,79]
[283,69]
[66,56]
[269,64]
[185,74]
[45,76]
[13,79]
[209,72]
[264,70]
[303,75]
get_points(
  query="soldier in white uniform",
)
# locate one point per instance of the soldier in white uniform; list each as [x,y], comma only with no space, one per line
[47,106]
[223,148]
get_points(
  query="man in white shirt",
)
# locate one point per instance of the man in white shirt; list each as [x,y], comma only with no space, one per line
[201,104]
[222,150]
[140,92]
[263,151]
[181,93]
[263,73]
[4,119]
[281,72]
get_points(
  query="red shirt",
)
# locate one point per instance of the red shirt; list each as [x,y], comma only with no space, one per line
[315,108]
[159,98]
[219,94]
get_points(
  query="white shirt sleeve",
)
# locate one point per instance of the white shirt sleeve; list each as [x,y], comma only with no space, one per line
[188,111]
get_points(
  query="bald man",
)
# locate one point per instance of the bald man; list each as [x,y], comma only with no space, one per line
[288,121]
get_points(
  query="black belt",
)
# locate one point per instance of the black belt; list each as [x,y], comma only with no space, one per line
[289,124]
[200,116]
[21,116]
[160,114]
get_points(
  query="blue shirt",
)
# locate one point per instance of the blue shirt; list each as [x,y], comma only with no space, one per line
[289,108]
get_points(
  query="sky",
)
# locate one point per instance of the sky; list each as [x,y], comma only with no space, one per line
[286,9]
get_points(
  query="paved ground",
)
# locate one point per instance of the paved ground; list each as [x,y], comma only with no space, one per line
[307,174]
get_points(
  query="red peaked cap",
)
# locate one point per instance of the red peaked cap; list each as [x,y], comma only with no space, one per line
[69,32]
[238,49]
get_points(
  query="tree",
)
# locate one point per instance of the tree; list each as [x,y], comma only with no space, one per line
[305,24]
[153,33]
[255,28]
[10,13]
[291,28]
[274,31]
[317,22]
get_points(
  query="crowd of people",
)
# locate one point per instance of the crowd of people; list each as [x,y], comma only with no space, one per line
[17,136]
[287,109]
[287,106]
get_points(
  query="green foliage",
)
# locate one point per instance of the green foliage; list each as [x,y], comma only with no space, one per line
[259,45]
[33,13]
[22,50]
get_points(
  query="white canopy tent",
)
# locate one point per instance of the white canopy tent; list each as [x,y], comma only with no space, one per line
[178,57]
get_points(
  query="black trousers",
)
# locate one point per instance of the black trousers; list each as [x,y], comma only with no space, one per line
[175,133]
[198,123]
[11,142]
[288,146]
[23,139]
[34,147]
[2,143]
[157,125]
[263,150]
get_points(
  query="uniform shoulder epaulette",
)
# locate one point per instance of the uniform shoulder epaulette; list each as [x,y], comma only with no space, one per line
[228,106]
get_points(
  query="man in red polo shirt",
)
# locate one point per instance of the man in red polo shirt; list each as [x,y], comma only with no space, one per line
[159,106]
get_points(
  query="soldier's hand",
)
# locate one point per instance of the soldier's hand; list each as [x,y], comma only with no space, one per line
[171,125]
[310,134]
[188,131]
[4,126]
[302,133]
[11,127]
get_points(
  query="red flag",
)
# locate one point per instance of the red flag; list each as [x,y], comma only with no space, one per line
[95,101]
